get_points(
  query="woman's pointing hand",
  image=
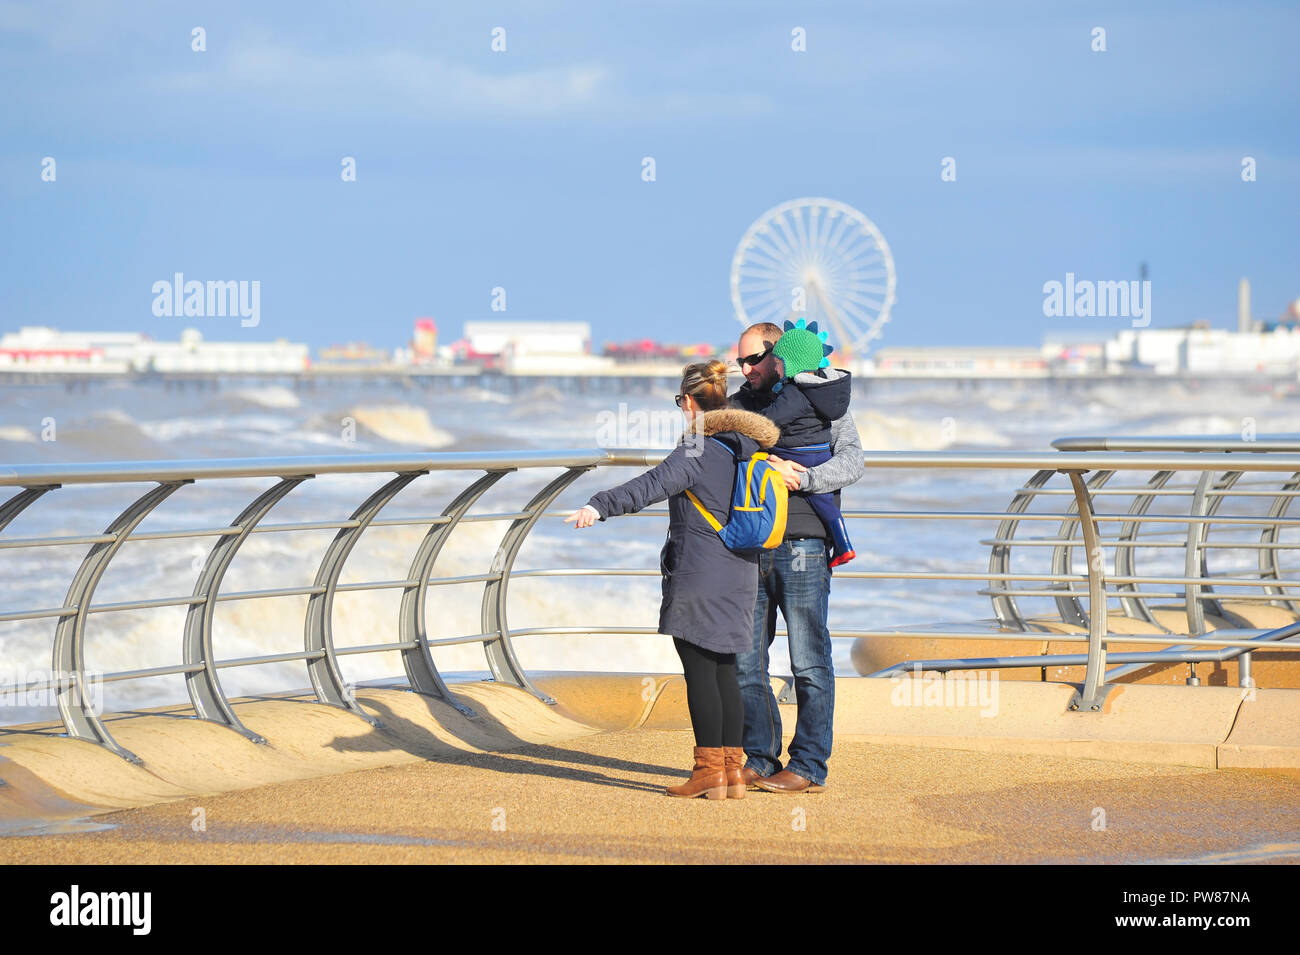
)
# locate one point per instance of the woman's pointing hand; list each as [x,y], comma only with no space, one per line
[585,517]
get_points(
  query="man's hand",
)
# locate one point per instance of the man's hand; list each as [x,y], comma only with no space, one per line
[788,470]
[584,517]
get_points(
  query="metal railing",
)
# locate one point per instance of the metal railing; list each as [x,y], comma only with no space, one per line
[1217,480]
[201,667]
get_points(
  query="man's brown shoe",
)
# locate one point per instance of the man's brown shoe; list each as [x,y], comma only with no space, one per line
[787,782]
[748,775]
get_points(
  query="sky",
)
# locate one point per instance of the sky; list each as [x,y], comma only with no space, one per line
[522,169]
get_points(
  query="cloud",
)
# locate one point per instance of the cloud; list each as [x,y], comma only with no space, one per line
[390,81]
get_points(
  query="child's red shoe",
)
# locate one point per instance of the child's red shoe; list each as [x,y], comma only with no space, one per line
[843,558]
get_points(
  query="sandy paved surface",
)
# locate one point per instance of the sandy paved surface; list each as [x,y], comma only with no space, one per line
[600,799]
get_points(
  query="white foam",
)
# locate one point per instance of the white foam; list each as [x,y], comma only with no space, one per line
[271,396]
[402,424]
[886,432]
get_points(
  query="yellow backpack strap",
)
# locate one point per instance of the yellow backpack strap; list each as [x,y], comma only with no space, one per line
[713,521]
[749,479]
[782,498]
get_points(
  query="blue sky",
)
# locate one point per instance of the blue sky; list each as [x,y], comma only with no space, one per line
[522,169]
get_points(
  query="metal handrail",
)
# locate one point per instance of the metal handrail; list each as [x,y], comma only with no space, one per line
[1212,488]
[200,665]
[1134,661]
[1222,443]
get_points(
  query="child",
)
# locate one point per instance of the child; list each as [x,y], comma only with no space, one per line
[806,400]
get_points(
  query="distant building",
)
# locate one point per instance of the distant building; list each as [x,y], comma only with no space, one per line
[982,361]
[646,350]
[353,353]
[1073,354]
[424,343]
[47,350]
[1206,351]
[193,354]
[530,347]
[41,349]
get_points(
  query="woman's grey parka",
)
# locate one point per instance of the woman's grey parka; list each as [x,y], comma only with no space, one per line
[708,590]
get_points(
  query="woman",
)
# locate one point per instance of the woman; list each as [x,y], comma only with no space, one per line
[708,591]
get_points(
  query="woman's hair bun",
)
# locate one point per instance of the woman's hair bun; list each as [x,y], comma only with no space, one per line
[706,382]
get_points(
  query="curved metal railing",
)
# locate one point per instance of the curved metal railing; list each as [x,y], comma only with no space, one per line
[1197,589]
[201,666]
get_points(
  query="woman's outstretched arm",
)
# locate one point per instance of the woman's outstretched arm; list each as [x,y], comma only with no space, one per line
[674,474]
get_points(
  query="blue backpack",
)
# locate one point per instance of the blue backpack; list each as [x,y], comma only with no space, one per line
[756,520]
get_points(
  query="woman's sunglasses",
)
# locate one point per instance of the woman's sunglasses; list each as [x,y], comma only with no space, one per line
[754,359]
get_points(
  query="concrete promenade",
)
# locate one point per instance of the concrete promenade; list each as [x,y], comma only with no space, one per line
[583,782]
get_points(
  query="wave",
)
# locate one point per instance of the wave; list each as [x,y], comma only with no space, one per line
[884,432]
[475,393]
[271,396]
[16,433]
[245,427]
[401,424]
[110,434]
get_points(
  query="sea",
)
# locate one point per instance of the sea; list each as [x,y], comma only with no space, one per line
[122,421]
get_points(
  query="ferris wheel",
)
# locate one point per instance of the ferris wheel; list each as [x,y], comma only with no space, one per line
[819,260]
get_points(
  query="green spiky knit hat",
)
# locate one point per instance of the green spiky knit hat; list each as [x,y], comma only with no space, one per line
[802,348]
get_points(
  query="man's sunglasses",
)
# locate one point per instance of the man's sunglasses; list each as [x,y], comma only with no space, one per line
[755,358]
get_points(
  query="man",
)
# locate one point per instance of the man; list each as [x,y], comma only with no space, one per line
[794,577]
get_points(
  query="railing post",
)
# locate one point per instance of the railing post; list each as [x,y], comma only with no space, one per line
[204,686]
[1005,607]
[1069,607]
[1089,699]
[1126,561]
[1197,532]
[418,661]
[78,715]
[20,502]
[1269,566]
[500,653]
[326,677]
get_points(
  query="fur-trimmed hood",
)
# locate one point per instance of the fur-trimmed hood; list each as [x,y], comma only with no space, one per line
[747,423]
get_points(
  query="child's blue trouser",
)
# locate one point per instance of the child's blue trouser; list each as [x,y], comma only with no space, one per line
[823,505]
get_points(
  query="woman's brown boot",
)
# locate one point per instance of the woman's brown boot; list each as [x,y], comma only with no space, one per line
[709,777]
[734,760]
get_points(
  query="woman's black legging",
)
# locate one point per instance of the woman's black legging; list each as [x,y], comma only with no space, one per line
[712,695]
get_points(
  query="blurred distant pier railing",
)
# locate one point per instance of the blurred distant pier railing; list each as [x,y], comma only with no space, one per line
[1101,506]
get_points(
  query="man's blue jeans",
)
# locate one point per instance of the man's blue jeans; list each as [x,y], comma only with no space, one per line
[795,578]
